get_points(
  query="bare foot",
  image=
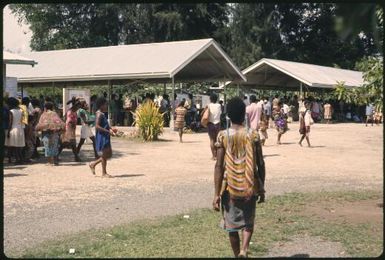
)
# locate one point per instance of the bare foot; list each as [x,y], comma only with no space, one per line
[106,175]
[300,144]
[92,167]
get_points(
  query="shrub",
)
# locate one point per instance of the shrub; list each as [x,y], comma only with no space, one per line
[149,121]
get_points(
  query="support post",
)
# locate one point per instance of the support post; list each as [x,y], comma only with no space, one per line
[109,101]
[53,90]
[300,90]
[238,93]
[4,77]
[164,88]
[224,96]
[173,105]
[181,87]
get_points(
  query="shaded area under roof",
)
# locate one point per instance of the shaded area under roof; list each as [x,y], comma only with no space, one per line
[280,74]
[195,60]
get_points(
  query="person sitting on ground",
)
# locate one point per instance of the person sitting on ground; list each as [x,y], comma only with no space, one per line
[103,137]
[85,131]
[51,126]
[179,122]
[239,182]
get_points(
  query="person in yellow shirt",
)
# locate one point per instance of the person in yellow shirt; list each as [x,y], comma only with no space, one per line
[23,106]
[27,128]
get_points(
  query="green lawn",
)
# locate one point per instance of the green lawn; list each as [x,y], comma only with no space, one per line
[199,236]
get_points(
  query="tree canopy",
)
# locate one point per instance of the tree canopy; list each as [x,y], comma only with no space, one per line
[305,32]
[329,34]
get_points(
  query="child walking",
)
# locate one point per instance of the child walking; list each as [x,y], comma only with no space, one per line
[103,140]
[305,120]
[180,113]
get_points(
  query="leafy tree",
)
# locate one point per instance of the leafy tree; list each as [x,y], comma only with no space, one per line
[309,35]
[62,26]
[254,33]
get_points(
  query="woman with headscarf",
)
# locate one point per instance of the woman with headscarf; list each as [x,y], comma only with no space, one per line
[50,125]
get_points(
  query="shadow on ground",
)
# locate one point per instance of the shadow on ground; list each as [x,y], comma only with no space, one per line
[128,175]
[271,155]
[14,175]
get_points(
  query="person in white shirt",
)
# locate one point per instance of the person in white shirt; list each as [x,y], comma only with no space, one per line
[305,121]
[214,125]
[369,111]
[246,101]
[285,108]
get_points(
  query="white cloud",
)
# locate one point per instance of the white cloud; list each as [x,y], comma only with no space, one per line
[16,38]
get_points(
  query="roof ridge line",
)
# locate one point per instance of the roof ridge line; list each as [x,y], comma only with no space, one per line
[122,45]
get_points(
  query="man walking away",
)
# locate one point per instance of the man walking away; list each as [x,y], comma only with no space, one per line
[238,191]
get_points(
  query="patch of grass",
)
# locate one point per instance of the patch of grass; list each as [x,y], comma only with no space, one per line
[199,236]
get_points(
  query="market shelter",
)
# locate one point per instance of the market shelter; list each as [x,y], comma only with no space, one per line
[289,75]
[182,61]
[14,59]
[168,62]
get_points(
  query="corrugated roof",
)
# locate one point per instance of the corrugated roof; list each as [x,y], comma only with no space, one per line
[134,61]
[11,58]
[310,74]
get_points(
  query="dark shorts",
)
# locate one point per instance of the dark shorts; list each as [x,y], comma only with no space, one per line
[213,130]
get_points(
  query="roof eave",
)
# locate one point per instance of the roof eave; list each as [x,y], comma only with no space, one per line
[94,77]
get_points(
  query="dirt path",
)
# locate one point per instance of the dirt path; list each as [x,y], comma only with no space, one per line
[163,178]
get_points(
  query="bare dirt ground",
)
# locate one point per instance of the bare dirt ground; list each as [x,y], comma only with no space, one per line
[166,177]
[358,212]
[313,246]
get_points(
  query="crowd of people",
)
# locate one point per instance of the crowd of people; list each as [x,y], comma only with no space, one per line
[29,124]
[21,118]
[236,133]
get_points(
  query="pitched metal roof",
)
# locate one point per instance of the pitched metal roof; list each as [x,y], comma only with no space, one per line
[11,58]
[280,73]
[196,60]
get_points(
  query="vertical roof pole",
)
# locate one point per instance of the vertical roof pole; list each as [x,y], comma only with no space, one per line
[4,77]
[224,95]
[300,90]
[109,101]
[173,105]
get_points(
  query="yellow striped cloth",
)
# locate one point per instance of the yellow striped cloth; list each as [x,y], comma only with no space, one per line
[239,161]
